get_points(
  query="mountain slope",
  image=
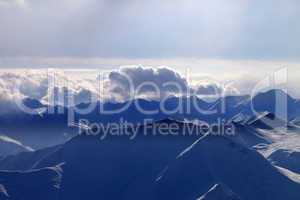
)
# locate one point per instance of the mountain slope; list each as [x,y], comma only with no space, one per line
[219,192]
[276,101]
[35,184]
[286,158]
[218,159]
[29,160]
[10,146]
[165,166]
[52,122]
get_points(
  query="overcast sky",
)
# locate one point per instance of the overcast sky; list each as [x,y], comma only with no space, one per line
[231,38]
[245,29]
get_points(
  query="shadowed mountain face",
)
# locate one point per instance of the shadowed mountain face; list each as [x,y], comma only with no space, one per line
[10,146]
[219,192]
[28,160]
[156,167]
[276,101]
[35,184]
[49,126]
[287,159]
[157,163]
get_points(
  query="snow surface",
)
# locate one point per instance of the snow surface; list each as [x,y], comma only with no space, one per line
[161,167]
[10,146]
[219,192]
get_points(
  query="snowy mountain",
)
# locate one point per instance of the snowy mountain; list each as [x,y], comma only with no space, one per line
[286,158]
[260,161]
[35,184]
[219,159]
[28,160]
[161,167]
[276,101]
[52,121]
[266,120]
[10,146]
[219,192]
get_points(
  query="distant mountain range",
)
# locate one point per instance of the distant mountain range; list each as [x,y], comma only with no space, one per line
[49,125]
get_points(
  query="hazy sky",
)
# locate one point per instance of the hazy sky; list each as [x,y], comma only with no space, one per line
[244,29]
[235,39]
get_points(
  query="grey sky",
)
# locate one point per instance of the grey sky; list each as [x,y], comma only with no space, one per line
[225,40]
[244,29]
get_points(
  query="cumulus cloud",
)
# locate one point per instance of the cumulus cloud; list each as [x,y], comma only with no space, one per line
[18,85]
[145,82]
[59,87]
[48,87]
[208,89]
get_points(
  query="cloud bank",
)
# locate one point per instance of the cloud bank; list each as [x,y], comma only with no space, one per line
[61,87]
[56,86]
[43,85]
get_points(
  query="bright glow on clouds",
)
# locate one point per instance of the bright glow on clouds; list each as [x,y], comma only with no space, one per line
[15,85]
[219,41]
[146,81]
[84,85]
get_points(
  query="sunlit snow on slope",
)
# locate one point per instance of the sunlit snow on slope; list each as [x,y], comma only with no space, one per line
[293,176]
[281,139]
[7,139]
